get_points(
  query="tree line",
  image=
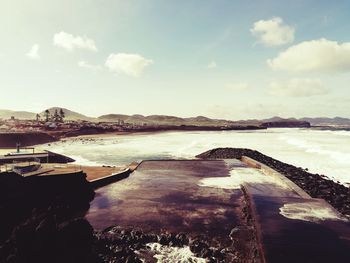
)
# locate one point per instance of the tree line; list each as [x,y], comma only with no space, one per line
[58,116]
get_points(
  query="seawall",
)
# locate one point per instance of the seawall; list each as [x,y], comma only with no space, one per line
[100,182]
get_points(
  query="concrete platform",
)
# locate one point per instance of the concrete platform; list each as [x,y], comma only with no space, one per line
[291,240]
[293,227]
[167,196]
[204,197]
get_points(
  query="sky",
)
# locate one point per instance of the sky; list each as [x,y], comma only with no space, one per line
[222,59]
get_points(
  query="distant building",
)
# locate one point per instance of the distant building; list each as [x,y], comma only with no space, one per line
[51,125]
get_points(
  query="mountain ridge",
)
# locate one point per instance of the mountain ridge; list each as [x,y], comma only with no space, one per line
[169,119]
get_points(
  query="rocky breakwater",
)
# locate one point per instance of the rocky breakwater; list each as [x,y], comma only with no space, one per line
[316,185]
[116,244]
[41,218]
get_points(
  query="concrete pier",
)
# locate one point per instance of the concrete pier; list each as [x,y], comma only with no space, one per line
[292,226]
[108,179]
[206,197]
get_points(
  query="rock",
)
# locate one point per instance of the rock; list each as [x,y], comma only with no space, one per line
[163,240]
[75,240]
[182,239]
[234,233]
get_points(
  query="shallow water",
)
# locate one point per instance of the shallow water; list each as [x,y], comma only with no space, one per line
[324,152]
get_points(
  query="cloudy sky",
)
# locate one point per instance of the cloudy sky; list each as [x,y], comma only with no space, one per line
[225,59]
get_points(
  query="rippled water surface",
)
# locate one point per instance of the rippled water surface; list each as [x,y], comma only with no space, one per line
[325,152]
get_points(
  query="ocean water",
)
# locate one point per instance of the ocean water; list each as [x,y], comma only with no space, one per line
[324,152]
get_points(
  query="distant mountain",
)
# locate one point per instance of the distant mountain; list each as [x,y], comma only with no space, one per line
[336,121]
[328,121]
[22,115]
[163,120]
[173,120]
[69,115]
[279,119]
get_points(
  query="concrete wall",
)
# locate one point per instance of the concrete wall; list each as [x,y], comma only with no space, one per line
[271,172]
[100,182]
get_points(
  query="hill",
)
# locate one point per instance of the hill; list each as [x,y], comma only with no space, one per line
[328,121]
[173,120]
[164,120]
[22,115]
[69,115]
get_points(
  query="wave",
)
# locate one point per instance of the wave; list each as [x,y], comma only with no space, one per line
[165,254]
[338,156]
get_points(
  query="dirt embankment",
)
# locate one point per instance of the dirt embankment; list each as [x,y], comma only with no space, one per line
[316,185]
[9,140]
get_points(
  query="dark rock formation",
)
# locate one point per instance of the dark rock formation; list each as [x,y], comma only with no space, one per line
[116,244]
[43,239]
[286,124]
[36,218]
[316,185]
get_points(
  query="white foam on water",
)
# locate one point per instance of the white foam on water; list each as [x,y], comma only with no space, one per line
[309,211]
[80,160]
[167,254]
[238,176]
[336,155]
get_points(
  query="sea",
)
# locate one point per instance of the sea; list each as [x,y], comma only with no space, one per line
[320,151]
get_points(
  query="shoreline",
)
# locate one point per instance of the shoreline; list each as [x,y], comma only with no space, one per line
[9,140]
[149,130]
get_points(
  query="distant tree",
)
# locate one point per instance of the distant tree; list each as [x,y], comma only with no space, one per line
[62,115]
[47,115]
[37,117]
[56,116]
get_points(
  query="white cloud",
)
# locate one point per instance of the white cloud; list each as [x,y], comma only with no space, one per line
[212,64]
[129,64]
[273,32]
[71,42]
[298,88]
[241,86]
[84,64]
[314,55]
[33,52]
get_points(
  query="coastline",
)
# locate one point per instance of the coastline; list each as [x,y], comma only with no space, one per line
[30,138]
[9,140]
